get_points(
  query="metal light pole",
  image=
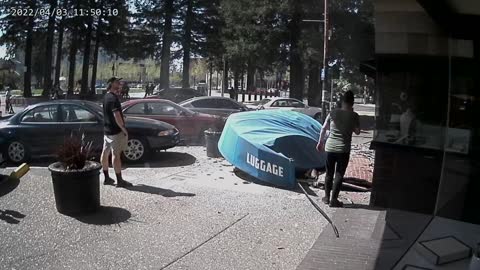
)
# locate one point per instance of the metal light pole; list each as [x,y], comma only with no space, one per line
[330,107]
[323,75]
[325,59]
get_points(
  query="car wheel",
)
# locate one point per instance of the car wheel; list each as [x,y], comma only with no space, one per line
[318,117]
[136,150]
[17,152]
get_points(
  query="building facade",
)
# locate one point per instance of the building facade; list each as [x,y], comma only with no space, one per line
[427,136]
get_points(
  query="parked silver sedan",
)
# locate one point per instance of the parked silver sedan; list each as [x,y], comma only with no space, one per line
[290,104]
[220,106]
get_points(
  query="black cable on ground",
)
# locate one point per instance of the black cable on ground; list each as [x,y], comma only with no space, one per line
[203,243]
[335,230]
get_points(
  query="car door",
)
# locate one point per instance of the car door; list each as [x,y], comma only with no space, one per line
[39,129]
[208,106]
[136,110]
[279,104]
[81,121]
[173,114]
[298,106]
[229,106]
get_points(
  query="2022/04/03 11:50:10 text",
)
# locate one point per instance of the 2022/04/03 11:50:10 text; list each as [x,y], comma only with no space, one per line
[62,12]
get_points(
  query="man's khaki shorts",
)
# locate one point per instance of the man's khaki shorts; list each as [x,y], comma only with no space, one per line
[116,143]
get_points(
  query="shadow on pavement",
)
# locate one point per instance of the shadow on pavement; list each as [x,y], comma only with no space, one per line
[7,184]
[11,216]
[37,162]
[165,159]
[159,191]
[106,215]
[250,179]
[156,160]
[362,206]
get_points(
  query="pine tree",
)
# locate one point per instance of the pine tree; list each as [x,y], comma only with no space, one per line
[18,34]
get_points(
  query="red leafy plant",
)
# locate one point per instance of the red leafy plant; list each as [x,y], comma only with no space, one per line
[74,153]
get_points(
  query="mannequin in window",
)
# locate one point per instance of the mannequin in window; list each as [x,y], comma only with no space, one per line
[408,126]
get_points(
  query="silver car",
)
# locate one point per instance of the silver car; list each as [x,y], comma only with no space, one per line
[220,106]
[291,104]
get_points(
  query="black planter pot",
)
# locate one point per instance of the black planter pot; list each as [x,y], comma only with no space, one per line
[211,142]
[76,192]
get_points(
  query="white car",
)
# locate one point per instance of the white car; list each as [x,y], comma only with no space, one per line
[290,104]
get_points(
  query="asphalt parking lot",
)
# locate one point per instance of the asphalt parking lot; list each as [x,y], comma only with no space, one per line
[186,211]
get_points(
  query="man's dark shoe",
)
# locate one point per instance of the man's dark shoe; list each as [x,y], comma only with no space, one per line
[336,203]
[124,184]
[109,181]
[326,200]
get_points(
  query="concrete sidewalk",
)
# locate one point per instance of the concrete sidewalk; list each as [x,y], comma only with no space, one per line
[369,239]
[196,214]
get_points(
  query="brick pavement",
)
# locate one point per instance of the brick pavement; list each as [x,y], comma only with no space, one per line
[359,168]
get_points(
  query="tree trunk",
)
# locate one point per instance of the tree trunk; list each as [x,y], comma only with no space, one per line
[225,77]
[236,82]
[242,84]
[27,79]
[187,39]
[314,91]
[296,63]
[86,57]
[72,59]
[47,75]
[93,81]
[250,78]
[167,42]
[210,80]
[242,80]
[58,59]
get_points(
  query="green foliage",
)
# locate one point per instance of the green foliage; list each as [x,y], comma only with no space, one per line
[240,31]
[253,31]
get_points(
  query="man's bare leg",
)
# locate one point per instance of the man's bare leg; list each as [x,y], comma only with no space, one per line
[117,167]
[117,163]
[104,160]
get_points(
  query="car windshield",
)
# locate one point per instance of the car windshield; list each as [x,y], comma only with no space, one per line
[186,101]
[95,106]
[182,109]
[296,103]
[264,101]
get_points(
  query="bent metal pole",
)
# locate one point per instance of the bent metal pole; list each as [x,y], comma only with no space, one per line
[335,230]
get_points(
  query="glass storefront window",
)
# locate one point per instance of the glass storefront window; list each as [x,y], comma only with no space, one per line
[412,108]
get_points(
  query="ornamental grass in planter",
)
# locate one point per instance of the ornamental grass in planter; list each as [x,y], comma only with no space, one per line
[75,178]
